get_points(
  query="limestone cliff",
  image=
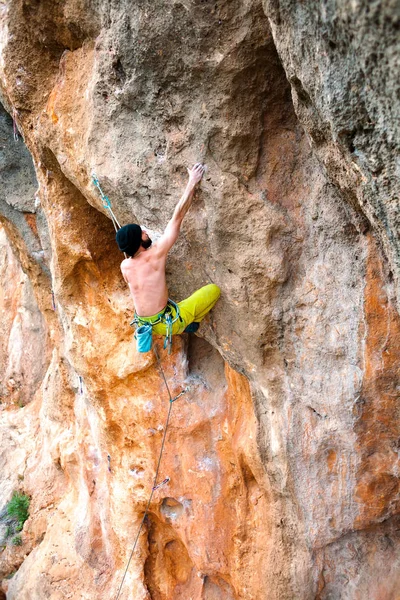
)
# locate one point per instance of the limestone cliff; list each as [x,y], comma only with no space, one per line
[283,453]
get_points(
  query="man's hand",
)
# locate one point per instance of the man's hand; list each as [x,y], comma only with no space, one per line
[195,174]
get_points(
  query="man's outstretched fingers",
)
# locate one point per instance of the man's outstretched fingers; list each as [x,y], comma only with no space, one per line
[196,172]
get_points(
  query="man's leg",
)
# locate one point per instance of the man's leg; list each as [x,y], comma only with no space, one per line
[198,305]
[192,309]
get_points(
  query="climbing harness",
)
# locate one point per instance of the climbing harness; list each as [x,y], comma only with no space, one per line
[156,485]
[144,327]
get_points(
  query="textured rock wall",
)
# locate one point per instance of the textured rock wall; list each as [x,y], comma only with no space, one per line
[340,58]
[283,452]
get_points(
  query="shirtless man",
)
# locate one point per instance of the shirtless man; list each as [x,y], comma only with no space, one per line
[144,269]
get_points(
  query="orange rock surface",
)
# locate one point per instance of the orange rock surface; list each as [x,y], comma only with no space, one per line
[281,454]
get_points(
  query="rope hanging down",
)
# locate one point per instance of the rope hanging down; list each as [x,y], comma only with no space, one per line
[155,485]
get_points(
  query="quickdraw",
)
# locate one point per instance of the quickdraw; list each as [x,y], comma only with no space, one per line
[106,202]
[164,482]
[15,128]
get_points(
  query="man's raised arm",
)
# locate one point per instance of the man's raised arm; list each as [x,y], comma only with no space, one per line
[170,235]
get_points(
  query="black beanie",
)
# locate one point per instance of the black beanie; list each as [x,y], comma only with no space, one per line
[129,238]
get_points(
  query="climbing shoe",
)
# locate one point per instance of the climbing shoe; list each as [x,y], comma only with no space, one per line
[192,328]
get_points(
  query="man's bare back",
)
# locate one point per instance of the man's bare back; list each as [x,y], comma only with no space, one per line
[145,276]
[144,272]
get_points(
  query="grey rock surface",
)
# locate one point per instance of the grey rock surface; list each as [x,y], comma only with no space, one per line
[341,59]
[17,175]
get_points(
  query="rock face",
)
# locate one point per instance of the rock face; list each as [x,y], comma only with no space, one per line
[23,332]
[282,454]
[339,59]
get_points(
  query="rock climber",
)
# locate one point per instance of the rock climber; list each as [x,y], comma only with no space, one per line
[144,270]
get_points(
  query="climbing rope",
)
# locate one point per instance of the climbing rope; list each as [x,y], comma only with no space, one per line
[170,321]
[155,484]
[106,201]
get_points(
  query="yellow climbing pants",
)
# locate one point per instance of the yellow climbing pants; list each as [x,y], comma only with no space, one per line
[193,309]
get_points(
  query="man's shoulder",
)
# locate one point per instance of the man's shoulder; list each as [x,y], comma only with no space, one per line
[153,253]
[128,265]
[157,249]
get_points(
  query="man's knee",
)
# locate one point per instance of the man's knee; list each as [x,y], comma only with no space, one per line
[199,303]
[213,290]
